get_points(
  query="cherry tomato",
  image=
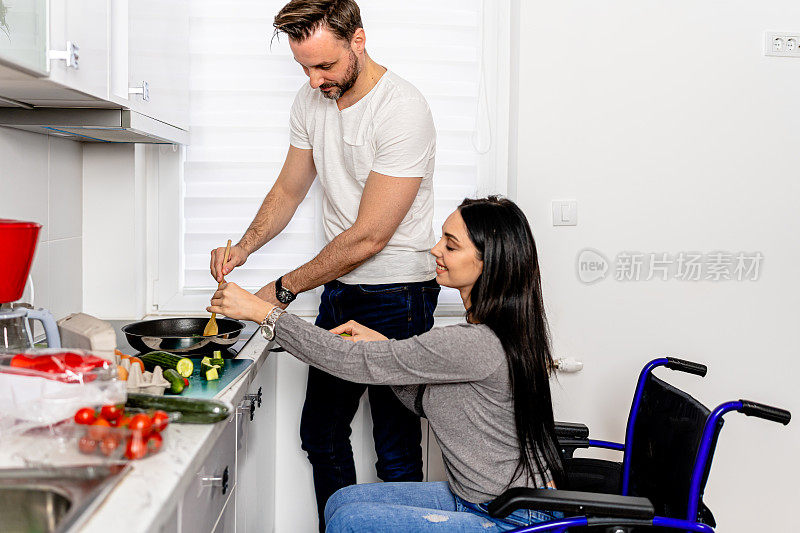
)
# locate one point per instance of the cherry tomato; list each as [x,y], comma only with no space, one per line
[109,444]
[112,412]
[140,423]
[121,422]
[98,429]
[154,442]
[160,420]
[87,445]
[185,382]
[136,447]
[85,416]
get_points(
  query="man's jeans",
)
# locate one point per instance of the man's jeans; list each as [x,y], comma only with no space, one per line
[398,311]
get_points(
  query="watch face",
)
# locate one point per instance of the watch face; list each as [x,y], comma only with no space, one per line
[284,296]
[268,332]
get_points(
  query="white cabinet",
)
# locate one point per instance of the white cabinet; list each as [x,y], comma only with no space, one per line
[82,23]
[255,501]
[158,59]
[129,56]
[23,35]
[212,484]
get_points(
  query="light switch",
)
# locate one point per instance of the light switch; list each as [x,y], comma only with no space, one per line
[565,212]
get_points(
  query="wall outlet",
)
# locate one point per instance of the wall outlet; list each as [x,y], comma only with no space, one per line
[781,44]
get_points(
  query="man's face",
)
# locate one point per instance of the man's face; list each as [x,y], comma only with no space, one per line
[329,62]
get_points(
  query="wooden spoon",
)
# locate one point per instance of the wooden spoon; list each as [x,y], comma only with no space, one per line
[211,328]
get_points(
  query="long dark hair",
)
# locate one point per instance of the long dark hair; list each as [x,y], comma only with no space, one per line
[507,297]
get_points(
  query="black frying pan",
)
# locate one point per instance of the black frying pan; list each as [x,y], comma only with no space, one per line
[182,336]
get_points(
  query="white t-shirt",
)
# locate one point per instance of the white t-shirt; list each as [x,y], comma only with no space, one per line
[390,130]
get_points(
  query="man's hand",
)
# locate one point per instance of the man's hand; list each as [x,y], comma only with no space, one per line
[235,302]
[236,258]
[267,293]
[357,332]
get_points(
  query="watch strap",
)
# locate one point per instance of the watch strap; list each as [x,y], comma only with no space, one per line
[283,294]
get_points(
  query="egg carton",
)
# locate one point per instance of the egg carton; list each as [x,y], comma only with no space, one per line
[144,382]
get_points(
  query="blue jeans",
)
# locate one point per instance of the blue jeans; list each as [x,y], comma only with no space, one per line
[417,507]
[398,311]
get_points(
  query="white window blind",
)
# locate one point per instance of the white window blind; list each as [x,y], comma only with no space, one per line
[241,93]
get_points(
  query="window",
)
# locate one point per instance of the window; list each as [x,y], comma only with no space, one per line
[455,52]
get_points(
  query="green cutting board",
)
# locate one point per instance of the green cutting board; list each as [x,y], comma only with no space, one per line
[200,388]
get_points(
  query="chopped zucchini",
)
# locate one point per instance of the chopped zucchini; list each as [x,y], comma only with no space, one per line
[165,360]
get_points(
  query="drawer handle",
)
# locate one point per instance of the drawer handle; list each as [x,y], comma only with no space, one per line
[221,481]
[252,409]
[256,397]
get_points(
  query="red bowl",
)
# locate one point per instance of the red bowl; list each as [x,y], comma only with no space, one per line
[17,246]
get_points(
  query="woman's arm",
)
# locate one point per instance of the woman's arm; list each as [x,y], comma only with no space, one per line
[451,354]
[411,397]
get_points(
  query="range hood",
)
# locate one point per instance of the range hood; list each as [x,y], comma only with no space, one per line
[94,125]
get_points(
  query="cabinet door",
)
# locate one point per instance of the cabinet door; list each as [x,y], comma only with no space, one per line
[84,23]
[227,520]
[255,510]
[242,439]
[158,55]
[204,500]
[23,35]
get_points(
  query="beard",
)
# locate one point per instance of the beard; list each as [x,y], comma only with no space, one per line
[350,77]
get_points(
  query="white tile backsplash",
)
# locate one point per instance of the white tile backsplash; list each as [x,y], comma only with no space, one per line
[66,274]
[66,188]
[23,178]
[41,180]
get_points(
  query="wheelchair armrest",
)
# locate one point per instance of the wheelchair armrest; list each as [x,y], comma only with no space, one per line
[570,430]
[572,502]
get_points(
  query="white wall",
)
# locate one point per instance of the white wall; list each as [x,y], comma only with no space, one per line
[671,129]
[40,181]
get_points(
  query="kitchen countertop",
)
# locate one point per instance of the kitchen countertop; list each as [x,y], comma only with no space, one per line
[141,499]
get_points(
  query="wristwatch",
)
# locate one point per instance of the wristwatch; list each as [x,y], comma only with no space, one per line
[284,295]
[268,325]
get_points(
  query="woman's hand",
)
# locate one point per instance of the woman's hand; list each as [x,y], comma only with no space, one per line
[357,332]
[234,302]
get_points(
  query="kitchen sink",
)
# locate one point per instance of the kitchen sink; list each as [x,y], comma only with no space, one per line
[54,499]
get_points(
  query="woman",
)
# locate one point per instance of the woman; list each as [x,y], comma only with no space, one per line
[483,385]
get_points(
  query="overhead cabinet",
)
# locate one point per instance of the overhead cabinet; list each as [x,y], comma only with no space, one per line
[129,57]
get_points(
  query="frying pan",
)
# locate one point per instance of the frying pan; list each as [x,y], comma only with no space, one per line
[183,336]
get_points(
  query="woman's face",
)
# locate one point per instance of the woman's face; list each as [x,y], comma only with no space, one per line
[457,263]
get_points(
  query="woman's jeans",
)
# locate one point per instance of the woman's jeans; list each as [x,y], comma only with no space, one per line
[399,311]
[416,507]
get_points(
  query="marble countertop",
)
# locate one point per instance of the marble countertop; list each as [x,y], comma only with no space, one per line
[152,487]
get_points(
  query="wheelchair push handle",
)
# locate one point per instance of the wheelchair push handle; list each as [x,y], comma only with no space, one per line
[674,363]
[766,412]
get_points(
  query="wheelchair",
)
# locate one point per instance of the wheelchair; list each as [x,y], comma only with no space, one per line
[669,445]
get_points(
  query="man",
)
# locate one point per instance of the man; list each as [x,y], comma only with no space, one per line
[369,136]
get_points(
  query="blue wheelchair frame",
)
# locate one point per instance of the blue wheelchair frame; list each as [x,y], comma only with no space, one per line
[701,463]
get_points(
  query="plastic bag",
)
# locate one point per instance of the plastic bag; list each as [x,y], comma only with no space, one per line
[43,387]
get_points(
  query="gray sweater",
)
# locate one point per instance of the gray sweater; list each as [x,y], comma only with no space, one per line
[456,376]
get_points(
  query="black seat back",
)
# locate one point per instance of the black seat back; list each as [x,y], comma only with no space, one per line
[666,437]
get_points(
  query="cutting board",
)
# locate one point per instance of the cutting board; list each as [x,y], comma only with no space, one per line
[200,388]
